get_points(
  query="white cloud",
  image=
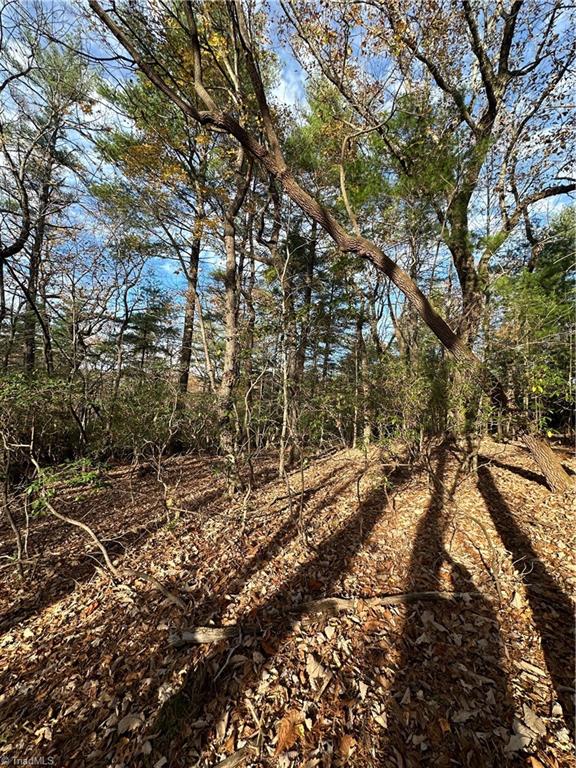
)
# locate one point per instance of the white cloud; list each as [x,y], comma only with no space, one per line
[290,89]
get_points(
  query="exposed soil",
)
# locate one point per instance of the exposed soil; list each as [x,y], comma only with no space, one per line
[88,676]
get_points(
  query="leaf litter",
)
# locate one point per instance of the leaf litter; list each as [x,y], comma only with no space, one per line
[89,674]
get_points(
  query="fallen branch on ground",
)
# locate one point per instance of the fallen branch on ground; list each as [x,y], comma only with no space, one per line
[326,605]
[237,758]
[200,635]
[333,605]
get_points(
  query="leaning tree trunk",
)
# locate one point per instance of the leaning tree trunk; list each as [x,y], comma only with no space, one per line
[549,463]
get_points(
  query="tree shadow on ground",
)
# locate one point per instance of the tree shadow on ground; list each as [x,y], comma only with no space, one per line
[450,703]
[212,686]
[232,580]
[527,474]
[61,570]
[64,576]
[552,610]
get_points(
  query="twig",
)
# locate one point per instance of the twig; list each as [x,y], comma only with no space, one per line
[259,725]
[75,523]
[158,584]
[333,605]
[494,554]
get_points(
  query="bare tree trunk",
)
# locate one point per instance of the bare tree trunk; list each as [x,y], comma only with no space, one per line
[2,294]
[327,335]
[188,331]
[230,363]
[289,404]
[365,385]
[119,361]
[357,385]
[307,305]
[207,358]
[361,428]
[250,323]
[46,334]
[32,313]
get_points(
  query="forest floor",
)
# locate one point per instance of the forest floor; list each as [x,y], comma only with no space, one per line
[89,674]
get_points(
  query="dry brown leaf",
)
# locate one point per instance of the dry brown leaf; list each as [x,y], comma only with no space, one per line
[290,729]
[444,724]
[268,648]
[329,632]
[535,723]
[130,722]
[237,758]
[230,743]
[347,744]
[371,625]
[517,600]
[91,608]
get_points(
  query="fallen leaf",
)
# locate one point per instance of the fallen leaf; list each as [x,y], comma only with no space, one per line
[535,723]
[91,608]
[427,617]
[130,722]
[381,720]
[237,758]
[517,742]
[229,743]
[347,744]
[517,601]
[268,648]
[371,625]
[531,668]
[444,725]
[315,669]
[288,731]
[462,716]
